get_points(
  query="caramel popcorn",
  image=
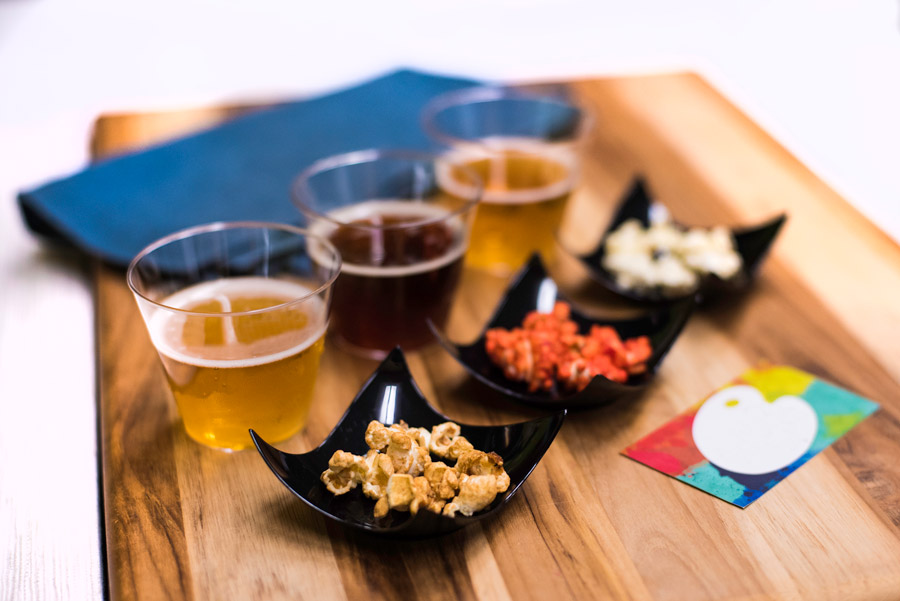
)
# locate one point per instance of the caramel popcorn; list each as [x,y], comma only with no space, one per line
[400,492]
[459,446]
[345,471]
[382,507]
[377,436]
[446,441]
[380,469]
[424,496]
[400,451]
[475,493]
[444,480]
[479,463]
[421,436]
[481,477]
[399,474]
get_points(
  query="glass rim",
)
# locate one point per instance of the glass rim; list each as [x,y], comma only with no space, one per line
[218,226]
[490,93]
[300,188]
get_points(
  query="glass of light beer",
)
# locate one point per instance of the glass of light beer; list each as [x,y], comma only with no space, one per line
[524,147]
[401,236]
[238,313]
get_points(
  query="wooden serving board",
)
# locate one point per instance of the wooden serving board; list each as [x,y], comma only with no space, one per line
[184,522]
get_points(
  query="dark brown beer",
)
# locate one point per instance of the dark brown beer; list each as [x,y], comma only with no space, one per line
[401,264]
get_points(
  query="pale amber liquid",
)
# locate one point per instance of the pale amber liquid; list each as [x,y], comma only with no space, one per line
[230,374]
[522,208]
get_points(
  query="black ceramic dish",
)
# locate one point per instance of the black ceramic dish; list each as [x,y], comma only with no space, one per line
[752,244]
[531,289]
[390,395]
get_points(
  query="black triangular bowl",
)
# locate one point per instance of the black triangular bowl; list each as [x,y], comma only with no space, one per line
[752,243]
[533,288]
[390,395]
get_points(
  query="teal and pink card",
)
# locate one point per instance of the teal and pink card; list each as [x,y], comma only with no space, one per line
[749,435]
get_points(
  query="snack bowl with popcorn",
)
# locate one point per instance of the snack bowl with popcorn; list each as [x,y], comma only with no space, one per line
[644,256]
[542,351]
[395,466]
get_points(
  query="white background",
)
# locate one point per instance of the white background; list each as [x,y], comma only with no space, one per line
[823,77]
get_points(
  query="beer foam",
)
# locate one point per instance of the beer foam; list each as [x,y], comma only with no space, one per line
[166,326]
[405,208]
[483,149]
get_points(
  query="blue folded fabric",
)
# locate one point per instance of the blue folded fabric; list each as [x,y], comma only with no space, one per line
[241,170]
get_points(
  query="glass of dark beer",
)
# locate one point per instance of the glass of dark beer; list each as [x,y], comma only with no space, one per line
[402,236]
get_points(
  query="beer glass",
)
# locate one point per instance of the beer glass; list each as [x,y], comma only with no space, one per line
[238,313]
[524,147]
[401,236]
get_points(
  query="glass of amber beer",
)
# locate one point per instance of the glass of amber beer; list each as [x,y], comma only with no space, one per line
[401,237]
[524,148]
[238,313]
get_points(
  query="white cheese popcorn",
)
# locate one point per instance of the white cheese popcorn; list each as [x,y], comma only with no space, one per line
[667,257]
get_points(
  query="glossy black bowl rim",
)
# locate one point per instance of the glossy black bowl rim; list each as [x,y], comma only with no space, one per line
[682,310]
[451,524]
[636,194]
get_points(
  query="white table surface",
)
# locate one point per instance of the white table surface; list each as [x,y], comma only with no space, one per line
[823,77]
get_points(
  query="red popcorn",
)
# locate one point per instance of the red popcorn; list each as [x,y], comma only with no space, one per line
[548,350]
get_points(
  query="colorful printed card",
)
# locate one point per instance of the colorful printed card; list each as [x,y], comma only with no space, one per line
[752,433]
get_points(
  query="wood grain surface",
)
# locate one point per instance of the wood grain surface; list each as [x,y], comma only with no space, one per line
[185,522]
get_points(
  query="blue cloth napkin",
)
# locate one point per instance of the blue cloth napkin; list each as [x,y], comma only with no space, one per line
[241,170]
